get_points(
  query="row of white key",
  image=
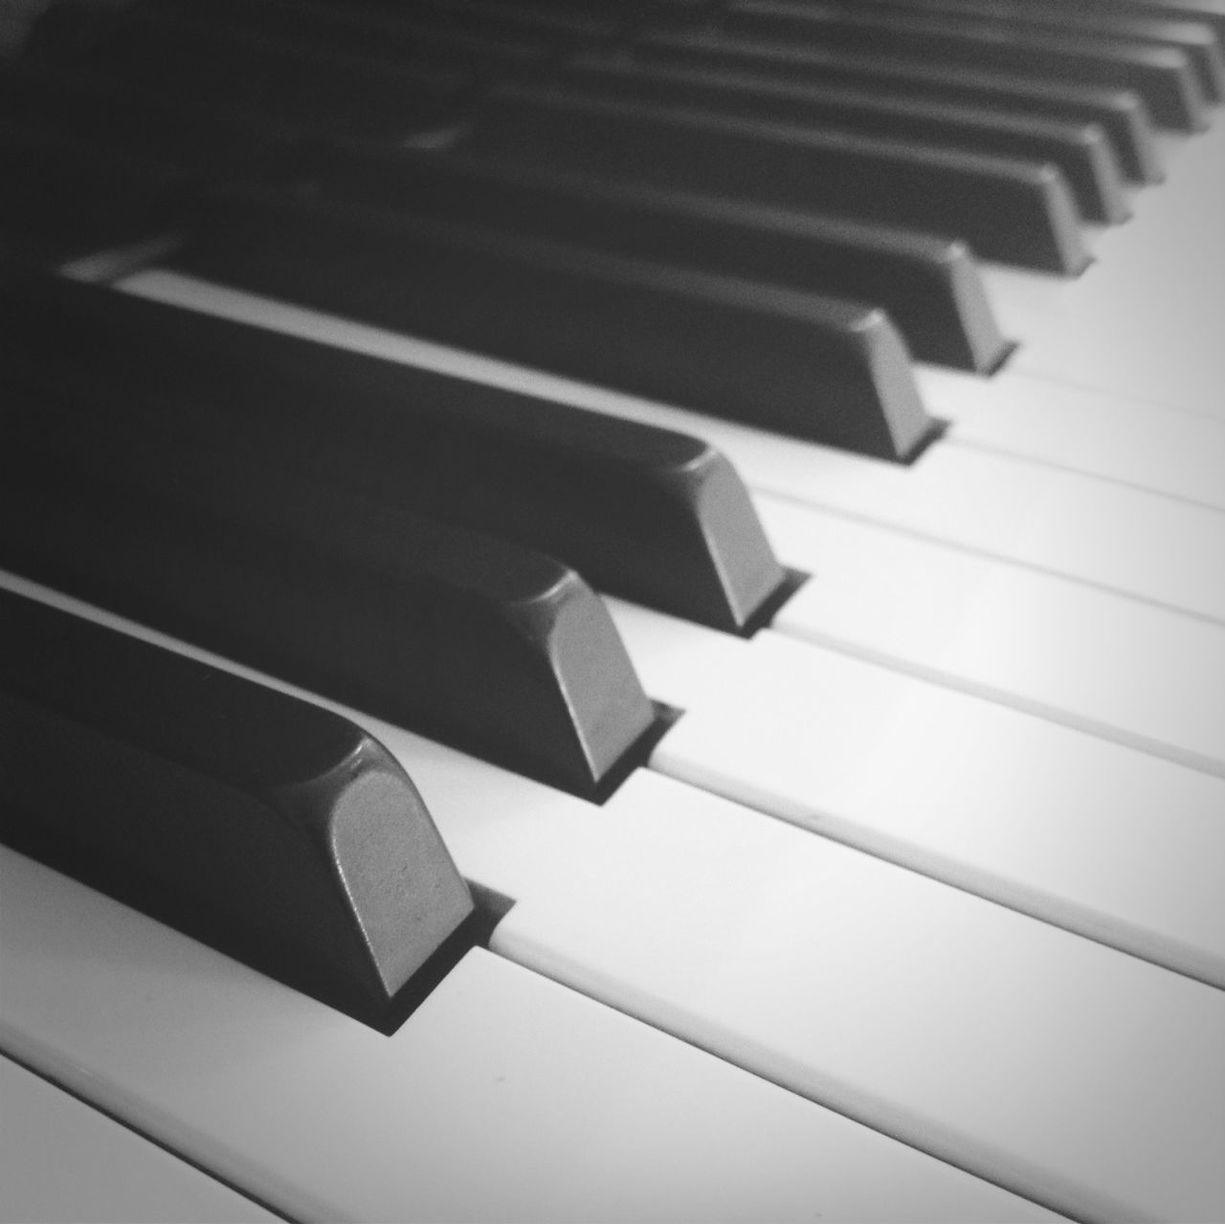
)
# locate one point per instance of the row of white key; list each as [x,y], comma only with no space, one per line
[61,1160]
[1081,1078]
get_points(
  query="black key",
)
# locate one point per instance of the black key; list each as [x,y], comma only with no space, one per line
[497,650]
[64,200]
[929,286]
[413,35]
[293,88]
[1013,211]
[1120,112]
[262,825]
[835,373]
[136,128]
[1196,39]
[644,513]
[1163,76]
[1208,12]
[1079,149]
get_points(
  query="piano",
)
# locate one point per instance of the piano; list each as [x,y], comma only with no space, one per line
[912,904]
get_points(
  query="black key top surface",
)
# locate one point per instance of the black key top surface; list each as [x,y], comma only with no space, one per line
[1007,210]
[835,373]
[1165,77]
[929,286]
[644,513]
[1120,112]
[1079,149]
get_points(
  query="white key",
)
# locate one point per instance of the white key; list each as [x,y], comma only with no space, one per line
[1088,835]
[1100,532]
[1102,434]
[504,1097]
[1077,1076]
[684,851]
[61,1161]
[1145,320]
[1140,675]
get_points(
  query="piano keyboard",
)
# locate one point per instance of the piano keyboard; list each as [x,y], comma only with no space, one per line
[917,910]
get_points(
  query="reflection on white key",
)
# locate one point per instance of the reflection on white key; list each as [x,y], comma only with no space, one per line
[1068,1072]
[1101,839]
[1144,676]
[61,1161]
[505,1097]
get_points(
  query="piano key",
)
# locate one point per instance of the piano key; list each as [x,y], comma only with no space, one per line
[479,641]
[1145,322]
[1010,210]
[1197,41]
[399,35]
[1121,113]
[243,75]
[1117,668]
[62,1161]
[836,370]
[1211,12]
[41,218]
[71,109]
[1084,1079]
[1080,150]
[928,285]
[504,1095]
[651,515]
[275,831]
[1164,77]
[1090,836]
[1132,441]
[1098,532]
[564,23]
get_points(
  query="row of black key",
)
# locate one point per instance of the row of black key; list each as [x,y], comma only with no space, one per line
[138,438]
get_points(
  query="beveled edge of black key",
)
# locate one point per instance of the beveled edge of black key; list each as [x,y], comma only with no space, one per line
[610,714]
[741,559]
[340,884]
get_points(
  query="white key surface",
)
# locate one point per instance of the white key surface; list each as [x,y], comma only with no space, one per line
[1101,839]
[63,1161]
[1100,532]
[1099,433]
[1146,319]
[668,874]
[504,1097]
[1085,1079]
[1145,676]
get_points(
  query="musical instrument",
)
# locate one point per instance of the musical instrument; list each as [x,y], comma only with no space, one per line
[916,910]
